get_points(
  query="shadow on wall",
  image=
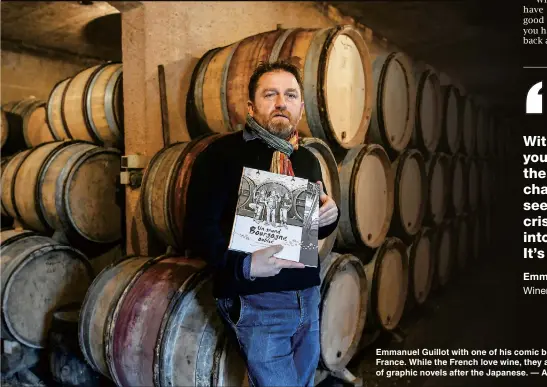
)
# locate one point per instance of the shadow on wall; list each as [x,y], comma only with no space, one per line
[105,31]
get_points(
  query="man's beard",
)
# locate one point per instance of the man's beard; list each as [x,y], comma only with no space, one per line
[280,128]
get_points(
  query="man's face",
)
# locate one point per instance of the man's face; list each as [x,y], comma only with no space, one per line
[278,104]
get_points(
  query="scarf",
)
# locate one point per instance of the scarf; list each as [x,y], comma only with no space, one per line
[283,148]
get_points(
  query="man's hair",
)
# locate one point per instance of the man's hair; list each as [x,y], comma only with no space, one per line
[266,67]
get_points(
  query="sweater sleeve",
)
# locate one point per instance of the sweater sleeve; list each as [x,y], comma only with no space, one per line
[209,197]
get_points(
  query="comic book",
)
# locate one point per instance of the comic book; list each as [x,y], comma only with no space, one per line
[277,209]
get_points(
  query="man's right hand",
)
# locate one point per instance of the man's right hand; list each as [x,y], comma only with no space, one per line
[264,264]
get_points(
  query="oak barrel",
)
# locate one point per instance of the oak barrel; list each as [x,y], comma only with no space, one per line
[26,185]
[393,112]
[165,186]
[473,183]
[486,181]
[451,136]
[37,131]
[8,180]
[331,178]
[427,127]
[410,193]
[444,249]
[469,129]
[78,192]
[366,184]
[344,299]
[103,110]
[54,111]
[38,276]
[438,175]
[193,347]
[475,235]
[462,237]
[22,118]
[337,79]
[387,277]
[4,128]
[458,191]
[482,131]
[98,307]
[420,267]
[3,164]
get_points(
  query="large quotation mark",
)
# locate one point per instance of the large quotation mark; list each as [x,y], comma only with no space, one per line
[534,100]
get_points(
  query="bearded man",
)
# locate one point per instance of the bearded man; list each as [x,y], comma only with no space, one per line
[270,304]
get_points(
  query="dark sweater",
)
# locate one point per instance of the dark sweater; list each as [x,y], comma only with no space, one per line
[213,193]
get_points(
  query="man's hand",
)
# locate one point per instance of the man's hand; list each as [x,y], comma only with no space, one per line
[328,212]
[264,264]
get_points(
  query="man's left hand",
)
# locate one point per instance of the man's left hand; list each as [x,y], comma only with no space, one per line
[328,212]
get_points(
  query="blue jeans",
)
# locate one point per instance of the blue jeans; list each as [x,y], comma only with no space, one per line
[278,334]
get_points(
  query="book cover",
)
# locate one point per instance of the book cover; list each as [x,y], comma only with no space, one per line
[271,210]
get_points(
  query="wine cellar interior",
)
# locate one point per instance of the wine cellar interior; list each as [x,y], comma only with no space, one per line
[105,107]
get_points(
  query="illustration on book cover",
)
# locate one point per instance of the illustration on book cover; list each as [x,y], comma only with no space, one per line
[273,209]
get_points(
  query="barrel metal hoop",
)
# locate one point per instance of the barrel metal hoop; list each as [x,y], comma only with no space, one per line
[311,83]
[351,197]
[63,119]
[109,102]
[278,45]
[86,101]
[49,113]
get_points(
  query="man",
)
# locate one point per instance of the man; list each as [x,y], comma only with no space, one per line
[270,304]
[284,208]
[271,207]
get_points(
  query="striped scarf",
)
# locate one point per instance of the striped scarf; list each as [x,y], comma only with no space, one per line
[281,162]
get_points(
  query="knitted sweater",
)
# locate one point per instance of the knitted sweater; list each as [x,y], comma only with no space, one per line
[213,193]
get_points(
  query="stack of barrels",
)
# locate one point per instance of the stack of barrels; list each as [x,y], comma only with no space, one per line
[408,161]
[60,192]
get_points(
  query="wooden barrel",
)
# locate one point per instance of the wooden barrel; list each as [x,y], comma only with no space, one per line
[458,192]
[482,131]
[393,112]
[387,277]
[26,184]
[344,298]
[4,128]
[8,180]
[103,111]
[54,111]
[473,184]
[78,192]
[451,136]
[134,329]
[474,237]
[38,276]
[193,347]
[420,267]
[366,183]
[438,175]
[444,249]
[98,307]
[461,236]
[331,178]
[66,363]
[469,129]
[486,181]
[164,188]
[336,69]
[36,131]
[410,193]
[21,117]
[3,164]
[427,127]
